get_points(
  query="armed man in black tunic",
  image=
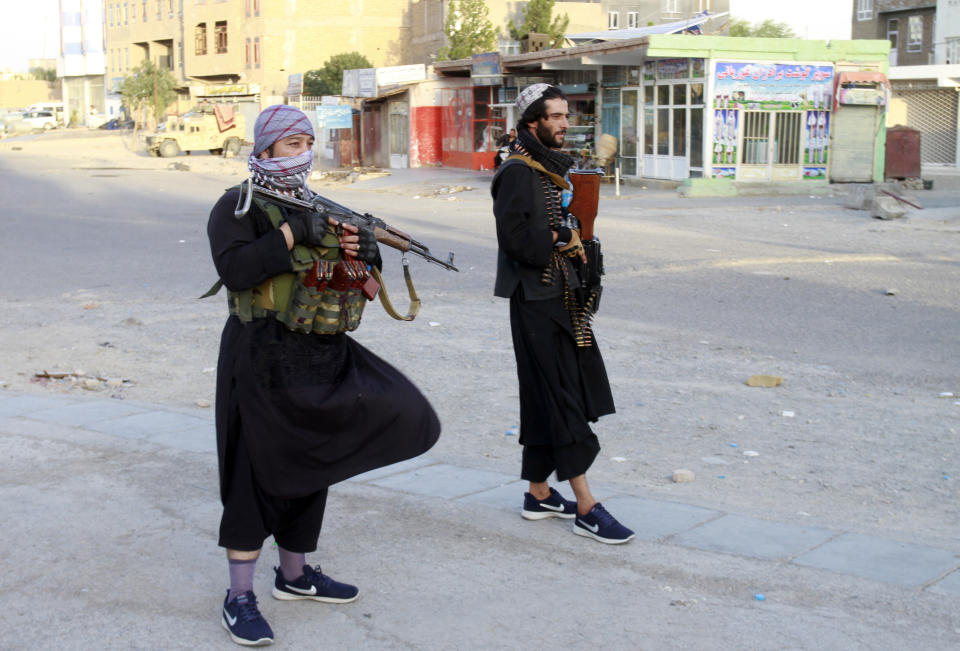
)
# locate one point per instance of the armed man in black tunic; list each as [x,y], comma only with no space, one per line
[563,382]
[300,405]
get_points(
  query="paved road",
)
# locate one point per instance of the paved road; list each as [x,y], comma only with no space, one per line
[846,523]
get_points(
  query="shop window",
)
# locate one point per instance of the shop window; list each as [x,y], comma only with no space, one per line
[220,34]
[680,94]
[663,95]
[487,123]
[679,132]
[633,19]
[696,94]
[864,9]
[200,39]
[696,137]
[648,133]
[663,131]
[914,33]
[613,20]
[648,95]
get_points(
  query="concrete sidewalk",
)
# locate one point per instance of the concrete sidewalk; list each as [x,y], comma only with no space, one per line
[110,511]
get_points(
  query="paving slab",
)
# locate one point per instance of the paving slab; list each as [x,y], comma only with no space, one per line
[655,519]
[736,534]
[443,480]
[950,584]
[26,405]
[881,559]
[394,468]
[150,423]
[82,414]
[507,497]
[196,439]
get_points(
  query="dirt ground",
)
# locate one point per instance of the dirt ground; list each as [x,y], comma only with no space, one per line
[850,442]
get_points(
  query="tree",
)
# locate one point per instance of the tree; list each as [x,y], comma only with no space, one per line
[468,30]
[328,80]
[149,87]
[769,28]
[44,74]
[538,18]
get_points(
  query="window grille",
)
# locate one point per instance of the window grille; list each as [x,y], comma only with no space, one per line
[786,144]
[934,113]
[756,138]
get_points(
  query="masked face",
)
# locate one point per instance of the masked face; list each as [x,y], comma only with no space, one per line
[553,129]
[288,147]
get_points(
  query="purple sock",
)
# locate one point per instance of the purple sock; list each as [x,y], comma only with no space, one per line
[291,563]
[241,576]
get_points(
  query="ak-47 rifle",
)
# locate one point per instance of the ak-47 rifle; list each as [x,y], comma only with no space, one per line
[384,232]
[585,203]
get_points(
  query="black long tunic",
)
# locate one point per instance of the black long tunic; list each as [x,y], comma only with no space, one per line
[563,387]
[312,409]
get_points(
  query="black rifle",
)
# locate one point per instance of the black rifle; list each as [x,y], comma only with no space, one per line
[384,232]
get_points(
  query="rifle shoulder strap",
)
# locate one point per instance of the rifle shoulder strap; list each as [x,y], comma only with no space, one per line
[558,180]
[385,298]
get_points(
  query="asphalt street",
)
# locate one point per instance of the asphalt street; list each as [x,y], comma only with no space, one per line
[840,531]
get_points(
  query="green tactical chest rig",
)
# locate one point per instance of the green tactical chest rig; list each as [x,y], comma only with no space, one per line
[324,294]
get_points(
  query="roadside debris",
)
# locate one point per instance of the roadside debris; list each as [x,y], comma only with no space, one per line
[80,379]
[764,381]
[683,476]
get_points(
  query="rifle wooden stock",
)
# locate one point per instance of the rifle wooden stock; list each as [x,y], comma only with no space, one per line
[391,239]
[586,199]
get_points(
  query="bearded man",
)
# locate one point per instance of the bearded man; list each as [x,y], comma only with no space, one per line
[563,383]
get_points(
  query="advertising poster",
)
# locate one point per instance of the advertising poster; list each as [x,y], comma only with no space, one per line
[816,144]
[725,137]
[773,86]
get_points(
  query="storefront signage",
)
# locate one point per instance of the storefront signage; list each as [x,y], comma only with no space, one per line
[295,84]
[772,86]
[359,82]
[862,96]
[392,75]
[485,69]
[334,117]
[223,90]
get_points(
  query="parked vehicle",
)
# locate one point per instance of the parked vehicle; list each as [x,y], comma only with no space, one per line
[116,123]
[45,120]
[56,108]
[217,130]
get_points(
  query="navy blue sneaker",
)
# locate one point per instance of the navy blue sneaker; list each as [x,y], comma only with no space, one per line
[314,585]
[243,621]
[600,525]
[552,507]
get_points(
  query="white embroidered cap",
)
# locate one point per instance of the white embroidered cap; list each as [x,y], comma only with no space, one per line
[529,95]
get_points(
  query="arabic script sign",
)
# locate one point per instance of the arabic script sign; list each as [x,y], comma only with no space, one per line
[772,86]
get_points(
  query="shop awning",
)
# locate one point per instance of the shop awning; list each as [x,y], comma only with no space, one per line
[850,77]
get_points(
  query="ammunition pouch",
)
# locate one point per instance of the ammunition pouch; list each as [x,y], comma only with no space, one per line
[325,294]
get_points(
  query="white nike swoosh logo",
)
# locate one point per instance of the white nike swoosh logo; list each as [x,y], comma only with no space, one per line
[550,507]
[230,620]
[595,528]
[311,591]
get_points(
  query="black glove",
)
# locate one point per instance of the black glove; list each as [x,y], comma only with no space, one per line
[308,227]
[367,249]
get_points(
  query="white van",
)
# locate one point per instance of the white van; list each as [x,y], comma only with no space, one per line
[54,107]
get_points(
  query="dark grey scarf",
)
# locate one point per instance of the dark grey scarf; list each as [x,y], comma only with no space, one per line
[553,160]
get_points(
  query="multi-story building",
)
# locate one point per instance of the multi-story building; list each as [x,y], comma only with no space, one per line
[946,33]
[630,14]
[80,65]
[907,24]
